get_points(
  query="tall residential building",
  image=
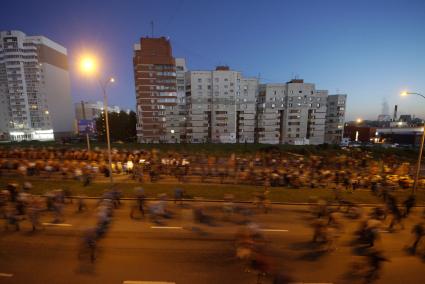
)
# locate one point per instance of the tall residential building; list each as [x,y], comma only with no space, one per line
[91,110]
[335,118]
[35,100]
[221,106]
[179,118]
[155,82]
[291,113]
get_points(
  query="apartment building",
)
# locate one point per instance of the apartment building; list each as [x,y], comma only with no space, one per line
[220,106]
[246,107]
[35,99]
[292,113]
[156,93]
[335,118]
[178,114]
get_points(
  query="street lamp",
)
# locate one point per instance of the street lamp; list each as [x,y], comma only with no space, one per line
[88,66]
[418,166]
[359,120]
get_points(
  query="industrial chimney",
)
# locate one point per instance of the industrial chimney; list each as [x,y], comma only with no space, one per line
[395,113]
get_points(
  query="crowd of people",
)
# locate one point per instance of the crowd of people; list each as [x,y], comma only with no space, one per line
[390,216]
[347,171]
[351,169]
[18,204]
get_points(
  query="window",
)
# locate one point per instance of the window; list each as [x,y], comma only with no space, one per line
[300,92]
[199,87]
[199,80]
[215,79]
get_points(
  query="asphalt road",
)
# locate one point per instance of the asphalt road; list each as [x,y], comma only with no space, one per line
[137,250]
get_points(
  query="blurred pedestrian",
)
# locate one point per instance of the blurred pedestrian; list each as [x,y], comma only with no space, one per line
[419,231]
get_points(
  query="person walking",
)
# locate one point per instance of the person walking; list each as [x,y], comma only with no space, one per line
[409,203]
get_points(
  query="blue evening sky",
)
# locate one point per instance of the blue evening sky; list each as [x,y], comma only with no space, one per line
[369,49]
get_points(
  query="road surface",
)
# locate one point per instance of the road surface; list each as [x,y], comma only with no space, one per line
[177,252]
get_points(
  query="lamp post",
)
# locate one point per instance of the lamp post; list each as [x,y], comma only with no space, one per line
[88,66]
[105,109]
[418,166]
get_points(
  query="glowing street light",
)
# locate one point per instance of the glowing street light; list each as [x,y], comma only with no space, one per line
[418,166]
[405,94]
[88,65]
[359,120]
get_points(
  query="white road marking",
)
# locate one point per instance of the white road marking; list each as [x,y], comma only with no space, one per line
[164,227]
[6,275]
[57,224]
[146,282]
[311,283]
[274,230]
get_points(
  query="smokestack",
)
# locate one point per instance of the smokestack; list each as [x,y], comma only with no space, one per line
[395,113]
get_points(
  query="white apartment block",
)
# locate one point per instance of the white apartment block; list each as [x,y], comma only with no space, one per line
[335,118]
[246,104]
[92,110]
[292,113]
[35,100]
[220,106]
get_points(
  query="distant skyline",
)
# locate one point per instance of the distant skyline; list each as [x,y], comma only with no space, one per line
[370,50]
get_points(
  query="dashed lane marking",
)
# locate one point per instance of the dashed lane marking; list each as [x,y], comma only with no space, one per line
[6,275]
[146,282]
[57,224]
[274,230]
[311,283]
[165,227]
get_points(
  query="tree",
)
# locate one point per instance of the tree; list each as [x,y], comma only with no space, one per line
[122,126]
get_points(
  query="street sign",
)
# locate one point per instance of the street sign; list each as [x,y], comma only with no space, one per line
[86,126]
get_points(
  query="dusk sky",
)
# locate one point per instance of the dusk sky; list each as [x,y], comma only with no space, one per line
[371,50]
